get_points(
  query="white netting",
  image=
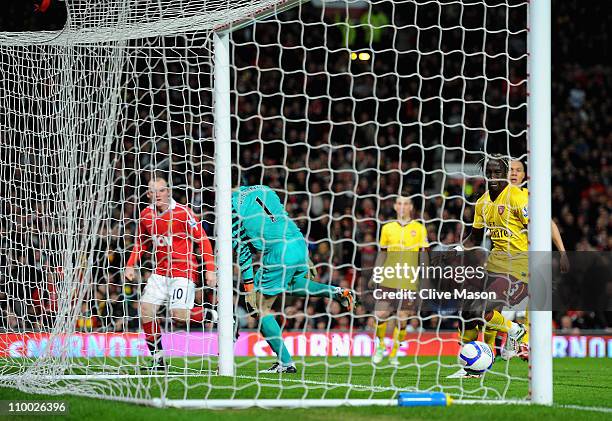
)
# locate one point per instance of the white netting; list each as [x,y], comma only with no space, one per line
[338,106]
[118,20]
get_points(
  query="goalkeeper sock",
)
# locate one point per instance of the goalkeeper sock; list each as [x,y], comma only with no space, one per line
[304,288]
[396,342]
[489,338]
[272,332]
[381,331]
[153,338]
[468,335]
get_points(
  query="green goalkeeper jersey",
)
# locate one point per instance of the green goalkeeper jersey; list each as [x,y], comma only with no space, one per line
[260,223]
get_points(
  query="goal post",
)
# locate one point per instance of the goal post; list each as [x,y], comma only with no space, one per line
[223,207]
[340,107]
[539,104]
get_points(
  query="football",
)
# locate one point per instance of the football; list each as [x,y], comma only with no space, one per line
[476,357]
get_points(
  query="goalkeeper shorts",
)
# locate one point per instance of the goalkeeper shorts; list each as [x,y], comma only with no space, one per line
[281,266]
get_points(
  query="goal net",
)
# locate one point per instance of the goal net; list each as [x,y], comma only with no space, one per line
[339,107]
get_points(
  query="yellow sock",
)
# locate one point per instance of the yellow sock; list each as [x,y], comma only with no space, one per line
[396,342]
[381,330]
[469,335]
[402,335]
[489,338]
[525,338]
[499,322]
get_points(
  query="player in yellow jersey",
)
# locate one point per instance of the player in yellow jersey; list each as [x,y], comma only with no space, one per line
[503,210]
[517,176]
[401,241]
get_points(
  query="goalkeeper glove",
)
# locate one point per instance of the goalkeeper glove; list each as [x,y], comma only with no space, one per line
[251,295]
[312,271]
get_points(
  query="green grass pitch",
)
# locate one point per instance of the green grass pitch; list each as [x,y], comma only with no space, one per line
[579,382]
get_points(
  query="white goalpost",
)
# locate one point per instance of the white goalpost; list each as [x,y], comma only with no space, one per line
[223,207]
[339,107]
[540,190]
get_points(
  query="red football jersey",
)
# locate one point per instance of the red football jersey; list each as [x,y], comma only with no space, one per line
[171,235]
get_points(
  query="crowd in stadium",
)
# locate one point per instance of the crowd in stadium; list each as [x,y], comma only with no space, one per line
[332,172]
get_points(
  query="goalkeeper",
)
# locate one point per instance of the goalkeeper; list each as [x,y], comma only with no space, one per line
[261,224]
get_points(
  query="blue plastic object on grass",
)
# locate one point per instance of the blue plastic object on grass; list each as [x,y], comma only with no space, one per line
[423,399]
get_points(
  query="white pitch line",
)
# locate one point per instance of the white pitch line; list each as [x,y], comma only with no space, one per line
[586,408]
[490,402]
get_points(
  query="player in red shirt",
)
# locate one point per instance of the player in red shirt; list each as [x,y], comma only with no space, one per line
[170,229]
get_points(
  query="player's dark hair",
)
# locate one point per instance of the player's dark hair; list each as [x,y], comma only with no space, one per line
[158,175]
[502,159]
[404,196]
[522,161]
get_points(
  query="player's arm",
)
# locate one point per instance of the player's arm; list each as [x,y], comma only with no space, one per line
[197,232]
[381,257]
[140,246]
[477,233]
[478,226]
[245,257]
[520,204]
[556,237]
[558,242]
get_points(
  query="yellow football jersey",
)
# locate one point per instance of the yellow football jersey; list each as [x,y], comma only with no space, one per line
[403,243]
[506,217]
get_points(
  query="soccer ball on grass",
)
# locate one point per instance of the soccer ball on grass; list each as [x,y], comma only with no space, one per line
[476,357]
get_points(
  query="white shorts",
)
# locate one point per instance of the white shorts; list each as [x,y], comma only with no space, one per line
[178,292]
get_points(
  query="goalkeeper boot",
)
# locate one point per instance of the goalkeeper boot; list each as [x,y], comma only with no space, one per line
[278,368]
[346,298]
[394,361]
[378,355]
